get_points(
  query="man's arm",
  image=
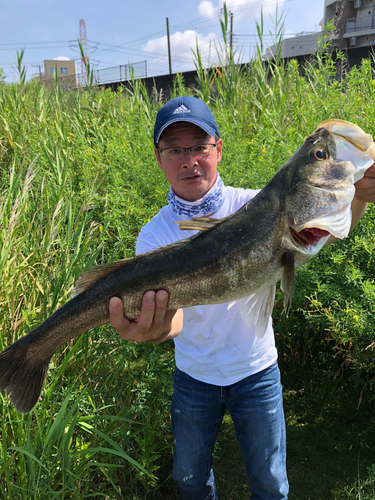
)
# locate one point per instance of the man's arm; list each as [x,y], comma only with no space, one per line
[155,323]
[364,193]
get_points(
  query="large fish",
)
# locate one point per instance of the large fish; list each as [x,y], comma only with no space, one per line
[283,227]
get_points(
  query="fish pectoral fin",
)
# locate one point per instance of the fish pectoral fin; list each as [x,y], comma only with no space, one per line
[231,304]
[199,223]
[287,280]
[256,309]
[94,274]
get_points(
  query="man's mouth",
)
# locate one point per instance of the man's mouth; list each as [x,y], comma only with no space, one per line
[191,177]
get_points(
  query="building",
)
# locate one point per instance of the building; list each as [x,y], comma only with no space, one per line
[355,31]
[298,46]
[358,26]
[65,70]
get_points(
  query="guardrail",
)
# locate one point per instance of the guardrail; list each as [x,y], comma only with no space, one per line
[360,24]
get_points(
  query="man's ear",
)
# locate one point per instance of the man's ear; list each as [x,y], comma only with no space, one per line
[158,158]
[219,149]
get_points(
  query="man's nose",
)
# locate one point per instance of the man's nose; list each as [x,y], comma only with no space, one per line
[189,159]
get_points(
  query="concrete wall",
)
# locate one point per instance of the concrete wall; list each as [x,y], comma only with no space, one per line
[164,83]
[161,83]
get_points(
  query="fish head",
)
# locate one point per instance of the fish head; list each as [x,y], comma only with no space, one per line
[321,178]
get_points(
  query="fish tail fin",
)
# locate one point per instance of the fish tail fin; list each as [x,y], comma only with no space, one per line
[21,377]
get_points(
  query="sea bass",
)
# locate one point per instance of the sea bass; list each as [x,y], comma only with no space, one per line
[240,257]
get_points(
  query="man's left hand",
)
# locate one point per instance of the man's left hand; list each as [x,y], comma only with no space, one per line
[365,188]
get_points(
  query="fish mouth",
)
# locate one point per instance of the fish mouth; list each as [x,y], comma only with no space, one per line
[309,237]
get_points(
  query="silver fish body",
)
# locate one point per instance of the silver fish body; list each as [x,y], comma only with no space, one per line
[241,257]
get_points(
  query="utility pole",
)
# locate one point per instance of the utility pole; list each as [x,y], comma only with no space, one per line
[169,49]
[231,33]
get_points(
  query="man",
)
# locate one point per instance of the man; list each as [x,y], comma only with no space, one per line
[219,362]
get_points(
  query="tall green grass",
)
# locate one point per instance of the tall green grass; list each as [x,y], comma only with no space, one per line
[78,179]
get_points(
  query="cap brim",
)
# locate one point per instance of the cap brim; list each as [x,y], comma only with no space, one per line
[199,123]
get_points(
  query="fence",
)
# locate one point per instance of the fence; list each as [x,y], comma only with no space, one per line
[121,73]
[116,74]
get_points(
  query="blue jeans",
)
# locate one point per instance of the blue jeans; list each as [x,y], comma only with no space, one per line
[255,405]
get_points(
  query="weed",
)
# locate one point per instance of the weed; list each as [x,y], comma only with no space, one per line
[78,180]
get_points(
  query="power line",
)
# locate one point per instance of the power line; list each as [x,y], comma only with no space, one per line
[174,28]
[273,34]
[195,22]
[234,8]
[129,48]
[20,47]
[31,43]
[120,50]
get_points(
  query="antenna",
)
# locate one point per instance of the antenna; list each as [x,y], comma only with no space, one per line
[83,40]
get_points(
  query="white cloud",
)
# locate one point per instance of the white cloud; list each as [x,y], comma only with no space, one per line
[241,9]
[206,8]
[182,44]
[61,58]
[245,15]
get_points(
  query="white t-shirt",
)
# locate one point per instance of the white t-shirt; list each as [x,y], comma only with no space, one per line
[215,345]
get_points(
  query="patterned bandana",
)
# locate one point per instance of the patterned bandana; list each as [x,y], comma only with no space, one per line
[209,204]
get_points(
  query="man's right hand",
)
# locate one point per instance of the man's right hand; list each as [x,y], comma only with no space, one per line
[155,323]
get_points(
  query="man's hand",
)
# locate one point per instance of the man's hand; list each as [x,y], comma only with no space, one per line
[365,188]
[155,323]
[364,193]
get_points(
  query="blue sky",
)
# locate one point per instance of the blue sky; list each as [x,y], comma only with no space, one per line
[121,32]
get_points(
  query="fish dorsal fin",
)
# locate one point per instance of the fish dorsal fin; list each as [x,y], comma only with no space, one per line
[89,277]
[198,223]
[256,309]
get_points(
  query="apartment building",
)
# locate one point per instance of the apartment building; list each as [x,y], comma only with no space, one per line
[65,71]
[358,24]
[355,31]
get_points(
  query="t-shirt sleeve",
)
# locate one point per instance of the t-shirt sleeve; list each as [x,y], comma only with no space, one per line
[249,194]
[146,241]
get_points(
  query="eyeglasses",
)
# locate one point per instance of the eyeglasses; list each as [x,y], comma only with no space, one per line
[201,150]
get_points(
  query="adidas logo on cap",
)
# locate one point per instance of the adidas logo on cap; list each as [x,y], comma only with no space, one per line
[181,109]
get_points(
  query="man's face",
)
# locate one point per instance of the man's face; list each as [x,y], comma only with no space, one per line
[191,176]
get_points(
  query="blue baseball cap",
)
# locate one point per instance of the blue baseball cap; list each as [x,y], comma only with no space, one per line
[185,109]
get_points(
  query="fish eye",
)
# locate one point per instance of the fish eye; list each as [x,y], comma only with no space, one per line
[319,154]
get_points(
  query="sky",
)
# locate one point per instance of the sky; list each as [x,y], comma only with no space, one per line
[130,32]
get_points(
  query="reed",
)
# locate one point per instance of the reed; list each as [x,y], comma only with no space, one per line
[78,179]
